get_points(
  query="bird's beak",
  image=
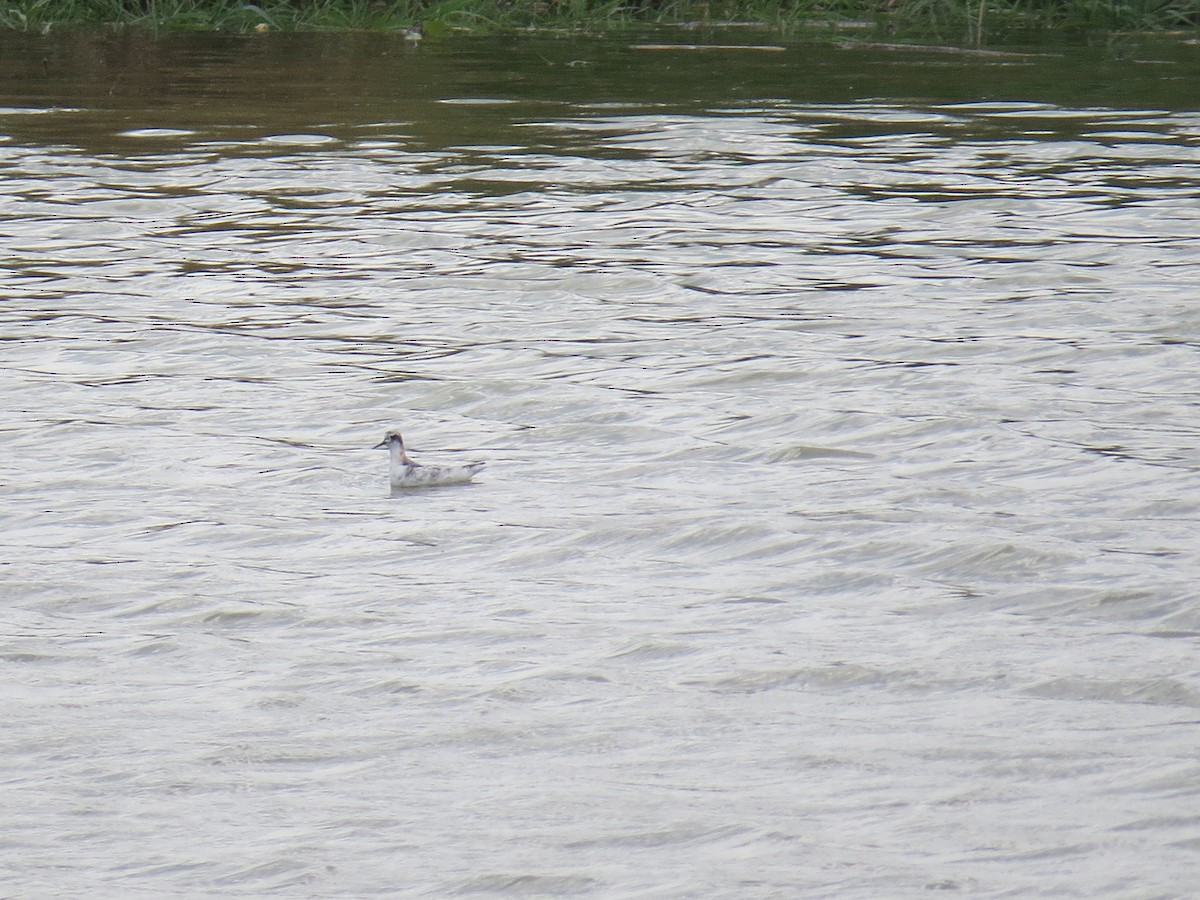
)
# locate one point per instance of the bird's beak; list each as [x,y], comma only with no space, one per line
[382,445]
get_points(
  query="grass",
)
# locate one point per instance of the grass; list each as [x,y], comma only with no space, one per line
[970,19]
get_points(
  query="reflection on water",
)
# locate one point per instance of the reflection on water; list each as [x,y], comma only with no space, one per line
[838,533]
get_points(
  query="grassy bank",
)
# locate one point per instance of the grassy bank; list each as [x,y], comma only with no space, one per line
[970,20]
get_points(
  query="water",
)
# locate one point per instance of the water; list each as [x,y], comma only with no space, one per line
[838,536]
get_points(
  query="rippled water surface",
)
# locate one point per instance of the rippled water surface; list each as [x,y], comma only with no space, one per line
[839,530]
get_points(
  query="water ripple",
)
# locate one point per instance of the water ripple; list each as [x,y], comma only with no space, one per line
[842,479]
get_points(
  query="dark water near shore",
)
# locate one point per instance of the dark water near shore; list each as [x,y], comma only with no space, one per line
[839,530]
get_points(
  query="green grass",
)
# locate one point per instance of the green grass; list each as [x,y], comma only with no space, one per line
[971,20]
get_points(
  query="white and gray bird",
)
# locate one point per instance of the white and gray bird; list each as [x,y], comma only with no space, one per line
[406,473]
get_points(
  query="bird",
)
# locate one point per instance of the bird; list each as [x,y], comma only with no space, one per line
[406,473]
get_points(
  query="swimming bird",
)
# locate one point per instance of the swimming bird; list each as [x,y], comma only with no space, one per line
[409,474]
